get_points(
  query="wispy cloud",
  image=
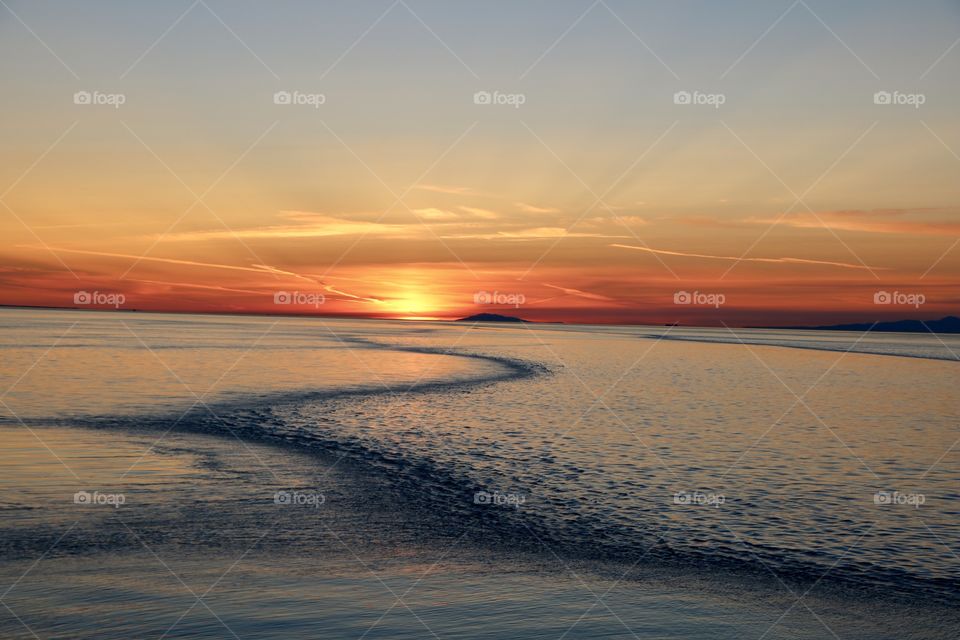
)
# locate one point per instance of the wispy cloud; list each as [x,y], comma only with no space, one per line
[205,287]
[620,221]
[311,225]
[785,260]
[263,269]
[536,233]
[130,256]
[432,213]
[708,222]
[874,221]
[484,214]
[350,296]
[530,208]
[579,293]
[462,213]
[437,188]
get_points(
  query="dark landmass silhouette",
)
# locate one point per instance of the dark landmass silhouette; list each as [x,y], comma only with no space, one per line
[949,324]
[490,317]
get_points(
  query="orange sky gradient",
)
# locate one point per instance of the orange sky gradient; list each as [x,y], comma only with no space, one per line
[595,201]
[409,266]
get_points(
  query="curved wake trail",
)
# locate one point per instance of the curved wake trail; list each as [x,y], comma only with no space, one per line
[438,495]
[200,412]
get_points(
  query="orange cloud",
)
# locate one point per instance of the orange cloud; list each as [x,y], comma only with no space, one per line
[874,221]
[529,208]
[314,225]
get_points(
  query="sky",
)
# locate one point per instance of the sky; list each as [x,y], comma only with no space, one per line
[745,163]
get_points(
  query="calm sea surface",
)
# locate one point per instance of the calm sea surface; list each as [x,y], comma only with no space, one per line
[521,481]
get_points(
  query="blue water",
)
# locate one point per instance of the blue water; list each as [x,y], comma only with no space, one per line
[747,463]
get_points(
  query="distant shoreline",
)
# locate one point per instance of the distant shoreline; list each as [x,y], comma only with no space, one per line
[876,327]
[946,325]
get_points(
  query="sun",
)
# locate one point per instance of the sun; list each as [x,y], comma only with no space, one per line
[412,305]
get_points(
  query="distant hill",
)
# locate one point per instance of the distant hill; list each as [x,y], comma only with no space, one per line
[950,324]
[491,317]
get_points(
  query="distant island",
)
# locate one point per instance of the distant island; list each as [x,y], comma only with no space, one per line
[490,317]
[950,324]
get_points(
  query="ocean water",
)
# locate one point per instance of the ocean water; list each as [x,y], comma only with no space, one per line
[933,346]
[263,477]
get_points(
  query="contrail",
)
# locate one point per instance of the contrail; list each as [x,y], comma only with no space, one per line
[844,265]
[190,263]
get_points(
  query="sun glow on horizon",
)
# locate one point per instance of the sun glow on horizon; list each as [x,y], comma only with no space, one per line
[409,299]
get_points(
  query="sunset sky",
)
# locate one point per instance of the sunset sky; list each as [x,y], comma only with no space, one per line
[589,195]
